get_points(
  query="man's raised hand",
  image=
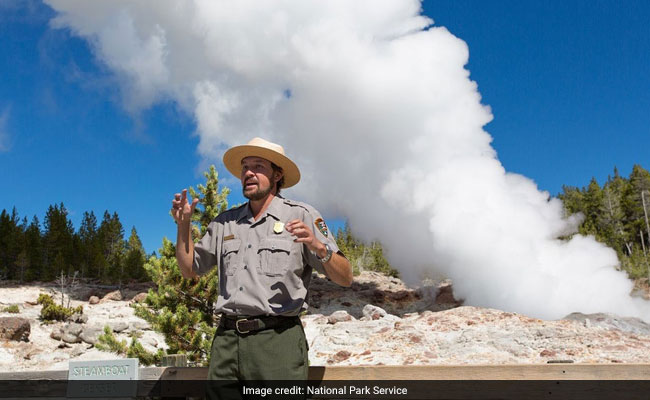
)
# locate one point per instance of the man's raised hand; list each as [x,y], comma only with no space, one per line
[182,210]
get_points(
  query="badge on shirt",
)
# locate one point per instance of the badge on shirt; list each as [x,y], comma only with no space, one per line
[320,224]
[278,227]
[229,237]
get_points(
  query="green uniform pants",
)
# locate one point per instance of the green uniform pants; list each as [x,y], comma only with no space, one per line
[270,354]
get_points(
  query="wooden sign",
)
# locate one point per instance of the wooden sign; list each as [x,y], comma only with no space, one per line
[103,378]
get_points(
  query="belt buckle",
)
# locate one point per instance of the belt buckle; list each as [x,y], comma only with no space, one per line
[237,325]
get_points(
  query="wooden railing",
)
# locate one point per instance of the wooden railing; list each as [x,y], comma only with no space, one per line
[404,372]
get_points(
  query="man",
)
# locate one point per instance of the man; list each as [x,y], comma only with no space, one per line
[265,251]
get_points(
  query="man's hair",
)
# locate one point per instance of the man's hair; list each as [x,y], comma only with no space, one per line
[281,181]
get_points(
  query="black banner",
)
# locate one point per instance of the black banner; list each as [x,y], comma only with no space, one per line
[264,390]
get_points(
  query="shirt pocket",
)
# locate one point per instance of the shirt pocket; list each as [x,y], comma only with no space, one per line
[276,256]
[230,255]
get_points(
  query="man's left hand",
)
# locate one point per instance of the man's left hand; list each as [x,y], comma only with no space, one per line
[305,235]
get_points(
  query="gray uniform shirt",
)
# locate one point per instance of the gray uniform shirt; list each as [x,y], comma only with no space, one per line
[262,271]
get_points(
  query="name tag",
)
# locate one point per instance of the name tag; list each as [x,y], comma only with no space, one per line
[229,237]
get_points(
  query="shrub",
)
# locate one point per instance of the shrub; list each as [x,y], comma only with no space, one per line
[13,309]
[108,342]
[55,312]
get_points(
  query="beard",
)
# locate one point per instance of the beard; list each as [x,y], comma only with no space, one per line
[257,194]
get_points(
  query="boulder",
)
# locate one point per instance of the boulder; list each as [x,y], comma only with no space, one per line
[72,329]
[139,325]
[68,333]
[112,296]
[611,321]
[93,300]
[373,312]
[80,318]
[139,298]
[70,338]
[118,326]
[339,316]
[445,295]
[340,356]
[15,328]
[91,334]
[57,334]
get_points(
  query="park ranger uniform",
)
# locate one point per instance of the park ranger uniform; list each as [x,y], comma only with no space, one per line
[263,281]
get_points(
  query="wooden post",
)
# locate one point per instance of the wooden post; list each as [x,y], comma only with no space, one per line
[642,242]
[174,360]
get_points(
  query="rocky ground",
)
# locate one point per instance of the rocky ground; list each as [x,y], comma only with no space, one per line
[51,346]
[378,321]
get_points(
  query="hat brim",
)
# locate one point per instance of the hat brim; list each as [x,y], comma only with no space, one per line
[232,160]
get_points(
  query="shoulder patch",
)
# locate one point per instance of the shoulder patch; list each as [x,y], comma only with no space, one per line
[322,227]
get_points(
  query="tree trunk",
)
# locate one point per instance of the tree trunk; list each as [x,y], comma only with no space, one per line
[645,213]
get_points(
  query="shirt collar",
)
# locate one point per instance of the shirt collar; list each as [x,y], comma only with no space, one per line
[245,213]
[275,208]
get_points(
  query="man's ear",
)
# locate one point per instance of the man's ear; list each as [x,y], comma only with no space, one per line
[277,175]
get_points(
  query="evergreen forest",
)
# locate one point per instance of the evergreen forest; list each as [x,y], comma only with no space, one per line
[615,213]
[96,251]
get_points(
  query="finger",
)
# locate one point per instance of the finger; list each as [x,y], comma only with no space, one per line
[291,228]
[194,203]
[301,232]
[293,224]
[184,196]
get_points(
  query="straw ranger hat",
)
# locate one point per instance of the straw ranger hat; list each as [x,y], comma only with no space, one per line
[259,147]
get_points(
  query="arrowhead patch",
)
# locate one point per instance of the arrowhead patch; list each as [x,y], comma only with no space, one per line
[322,227]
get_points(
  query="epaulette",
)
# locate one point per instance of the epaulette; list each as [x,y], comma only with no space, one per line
[293,203]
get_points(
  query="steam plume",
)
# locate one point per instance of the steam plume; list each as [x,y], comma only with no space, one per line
[376,107]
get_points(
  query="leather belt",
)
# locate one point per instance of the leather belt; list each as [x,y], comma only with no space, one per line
[251,324]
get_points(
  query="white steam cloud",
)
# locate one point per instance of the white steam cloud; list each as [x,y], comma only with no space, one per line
[377,108]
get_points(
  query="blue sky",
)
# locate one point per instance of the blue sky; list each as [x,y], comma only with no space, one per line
[567,83]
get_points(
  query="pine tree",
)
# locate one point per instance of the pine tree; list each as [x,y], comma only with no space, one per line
[58,242]
[362,256]
[352,248]
[135,257]
[111,233]
[572,199]
[88,236]
[182,309]
[34,250]
[610,217]
[10,243]
[592,205]
[211,202]
[639,183]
